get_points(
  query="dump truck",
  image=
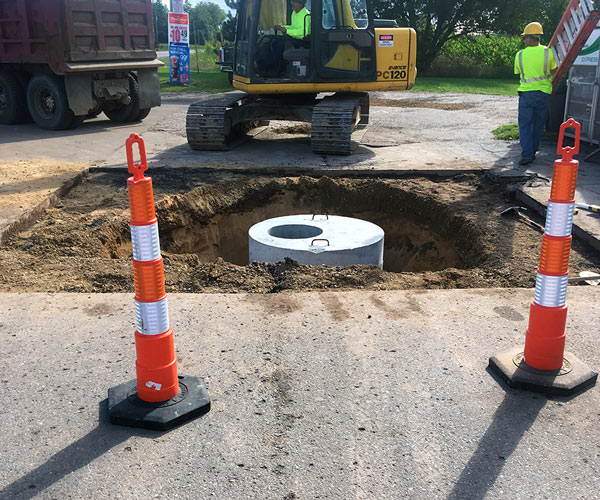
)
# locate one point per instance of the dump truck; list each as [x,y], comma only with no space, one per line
[64,60]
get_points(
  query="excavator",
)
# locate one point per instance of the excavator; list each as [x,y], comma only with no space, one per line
[321,76]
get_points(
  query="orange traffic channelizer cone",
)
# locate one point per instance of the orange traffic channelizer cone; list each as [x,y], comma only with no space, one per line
[543,365]
[159,398]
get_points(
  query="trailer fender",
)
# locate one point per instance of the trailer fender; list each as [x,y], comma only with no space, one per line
[79,92]
[149,86]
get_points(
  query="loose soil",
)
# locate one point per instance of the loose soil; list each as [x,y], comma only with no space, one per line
[439,234]
[26,183]
[296,129]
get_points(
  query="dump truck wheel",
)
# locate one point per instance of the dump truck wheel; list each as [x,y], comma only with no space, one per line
[129,112]
[48,104]
[143,114]
[13,106]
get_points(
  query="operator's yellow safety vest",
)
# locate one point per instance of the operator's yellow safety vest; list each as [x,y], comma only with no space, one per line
[297,29]
[535,64]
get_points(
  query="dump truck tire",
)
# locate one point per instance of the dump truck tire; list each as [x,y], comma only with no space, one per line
[143,114]
[13,105]
[48,104]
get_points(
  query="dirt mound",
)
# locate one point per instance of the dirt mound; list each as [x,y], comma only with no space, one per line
[439,234]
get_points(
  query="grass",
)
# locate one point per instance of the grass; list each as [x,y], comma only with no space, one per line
[508,132]
[201,81]
[208,79]
[466,85]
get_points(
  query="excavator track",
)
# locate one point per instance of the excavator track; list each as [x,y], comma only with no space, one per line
[208,126]
[221,122]
[334,120]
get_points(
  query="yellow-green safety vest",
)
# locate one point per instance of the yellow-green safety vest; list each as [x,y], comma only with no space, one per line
[534,65]
[297,28]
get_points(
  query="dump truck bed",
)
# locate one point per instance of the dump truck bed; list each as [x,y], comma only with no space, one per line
[65,33]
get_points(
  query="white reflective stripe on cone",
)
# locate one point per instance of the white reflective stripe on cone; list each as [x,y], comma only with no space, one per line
[559,219]
[145,242]
[551,291]
[152,318]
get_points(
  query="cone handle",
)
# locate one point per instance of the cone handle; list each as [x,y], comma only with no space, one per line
[567,152]
[137,169]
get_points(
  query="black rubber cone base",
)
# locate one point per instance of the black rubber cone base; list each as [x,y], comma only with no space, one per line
[573,377]
[126,408]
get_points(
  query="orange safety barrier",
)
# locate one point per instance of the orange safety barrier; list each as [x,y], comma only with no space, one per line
[545,338]
[543,365]
[159,398]
[156,365]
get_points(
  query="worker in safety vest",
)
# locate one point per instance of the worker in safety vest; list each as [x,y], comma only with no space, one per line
[536,66]
[270,60]
[300,27]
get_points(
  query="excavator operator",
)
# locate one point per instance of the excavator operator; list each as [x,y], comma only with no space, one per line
[297,29]
[271,61]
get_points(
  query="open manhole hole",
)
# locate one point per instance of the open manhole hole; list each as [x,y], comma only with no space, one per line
[443,233]
[421,234]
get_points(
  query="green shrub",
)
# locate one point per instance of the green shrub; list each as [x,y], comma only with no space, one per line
[477,56]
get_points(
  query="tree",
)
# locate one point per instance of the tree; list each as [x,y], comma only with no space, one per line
[437,21]
[229,25]
[513,17]
[160,13]
[206,19]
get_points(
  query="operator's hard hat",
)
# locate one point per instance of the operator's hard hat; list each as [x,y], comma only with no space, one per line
[533,29]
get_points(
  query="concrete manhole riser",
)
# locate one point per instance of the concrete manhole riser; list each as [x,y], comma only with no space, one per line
[317,240]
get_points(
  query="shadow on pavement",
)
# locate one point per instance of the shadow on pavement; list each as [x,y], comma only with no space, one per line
[75,456]
[31,132]
[513,418]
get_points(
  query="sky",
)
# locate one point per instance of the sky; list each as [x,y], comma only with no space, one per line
[220,3]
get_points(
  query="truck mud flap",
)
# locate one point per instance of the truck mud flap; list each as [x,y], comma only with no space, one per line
[149,85]
[79,92]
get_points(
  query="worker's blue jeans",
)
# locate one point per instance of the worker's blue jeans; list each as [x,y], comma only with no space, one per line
[533,112]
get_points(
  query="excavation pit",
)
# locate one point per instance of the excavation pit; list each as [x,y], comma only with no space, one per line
[439,233]
[421,234]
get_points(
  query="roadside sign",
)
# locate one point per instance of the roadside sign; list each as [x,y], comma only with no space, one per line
[179,63]
[178,28]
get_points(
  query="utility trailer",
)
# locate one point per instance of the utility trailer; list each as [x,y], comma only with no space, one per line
[64,60]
